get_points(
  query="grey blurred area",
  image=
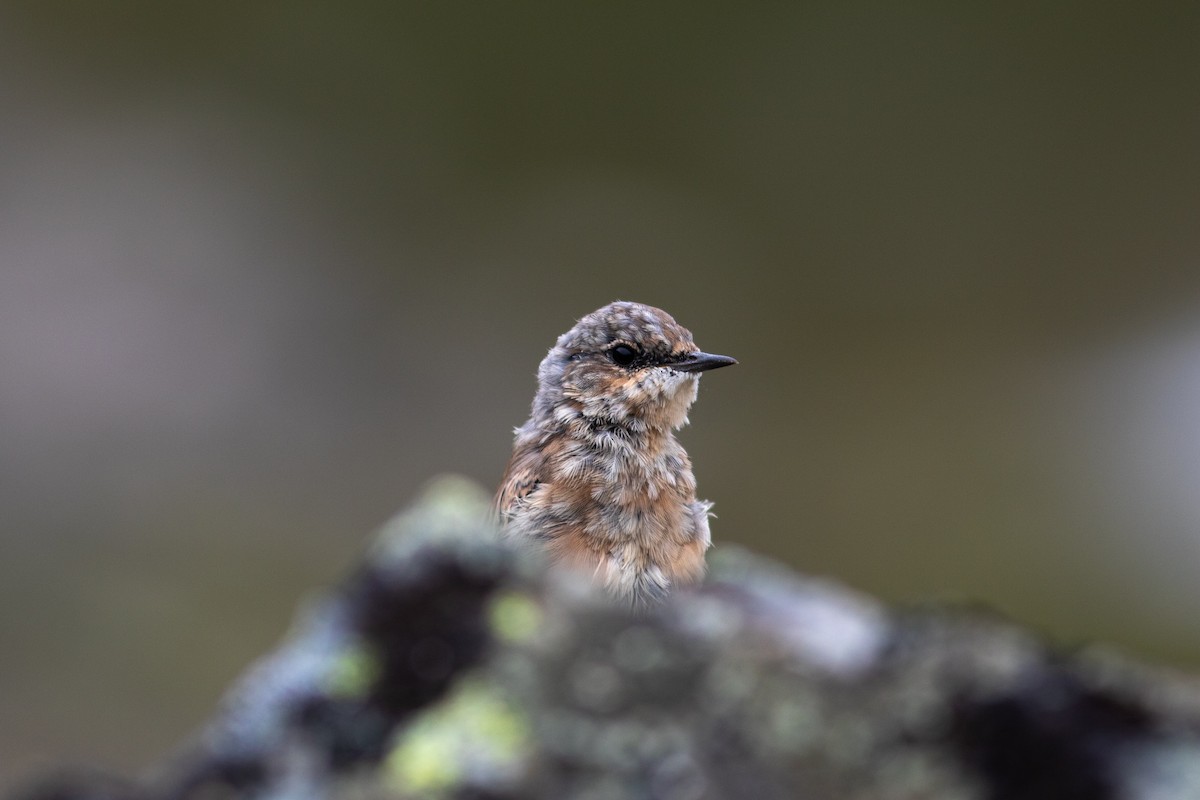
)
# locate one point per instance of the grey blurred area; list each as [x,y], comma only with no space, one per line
[267,268]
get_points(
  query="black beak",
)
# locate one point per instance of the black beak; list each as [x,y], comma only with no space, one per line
[701,362]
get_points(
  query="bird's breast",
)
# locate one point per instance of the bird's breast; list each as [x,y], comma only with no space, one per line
[629,518]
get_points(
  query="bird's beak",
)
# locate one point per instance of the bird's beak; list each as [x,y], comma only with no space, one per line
[701,362]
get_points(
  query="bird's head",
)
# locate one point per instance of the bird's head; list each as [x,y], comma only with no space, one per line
[627,365]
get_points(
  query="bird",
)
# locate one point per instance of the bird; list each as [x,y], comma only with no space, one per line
[597,479]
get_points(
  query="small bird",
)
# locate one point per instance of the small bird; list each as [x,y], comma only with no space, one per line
[597,477]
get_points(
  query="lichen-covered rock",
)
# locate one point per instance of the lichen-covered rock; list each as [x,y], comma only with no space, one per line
[449,666]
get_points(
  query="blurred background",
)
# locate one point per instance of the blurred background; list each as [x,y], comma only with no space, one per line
[265,268]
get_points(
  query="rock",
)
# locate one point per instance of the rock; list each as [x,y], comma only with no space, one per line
[448,666]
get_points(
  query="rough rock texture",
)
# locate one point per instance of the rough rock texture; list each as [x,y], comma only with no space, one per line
[451,667]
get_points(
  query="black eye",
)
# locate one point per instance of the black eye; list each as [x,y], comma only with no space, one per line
[622,355]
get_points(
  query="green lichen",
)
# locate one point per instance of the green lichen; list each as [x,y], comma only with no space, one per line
[515,617]
[475,737]
[353,673]
[451,510]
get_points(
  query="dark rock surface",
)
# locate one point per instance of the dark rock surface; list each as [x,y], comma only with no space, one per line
[448,666]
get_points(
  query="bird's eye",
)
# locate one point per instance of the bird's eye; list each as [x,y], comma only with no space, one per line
[622,355]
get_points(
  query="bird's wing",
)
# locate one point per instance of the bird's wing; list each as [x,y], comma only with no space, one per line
[521,479]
